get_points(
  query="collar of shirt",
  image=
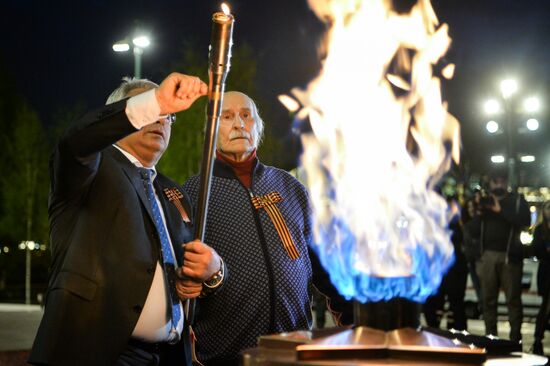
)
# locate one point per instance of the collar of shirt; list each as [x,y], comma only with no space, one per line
[135,161]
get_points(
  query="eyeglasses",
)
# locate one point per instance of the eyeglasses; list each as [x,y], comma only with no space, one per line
[171,118]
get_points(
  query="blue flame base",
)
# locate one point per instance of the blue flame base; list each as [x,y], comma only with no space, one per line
[427,271]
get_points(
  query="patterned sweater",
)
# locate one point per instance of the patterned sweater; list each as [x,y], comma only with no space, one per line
[266,290]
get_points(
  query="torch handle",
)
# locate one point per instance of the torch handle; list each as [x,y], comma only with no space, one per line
[219,62]
[210,138]
[215,100]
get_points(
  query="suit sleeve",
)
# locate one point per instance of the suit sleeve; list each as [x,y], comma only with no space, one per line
[76,158]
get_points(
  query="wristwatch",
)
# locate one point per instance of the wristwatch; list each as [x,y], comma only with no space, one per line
[214,282]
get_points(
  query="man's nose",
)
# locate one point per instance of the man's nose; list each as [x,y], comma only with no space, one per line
[238,122]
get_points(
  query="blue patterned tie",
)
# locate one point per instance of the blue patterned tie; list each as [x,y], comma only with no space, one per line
[169,264]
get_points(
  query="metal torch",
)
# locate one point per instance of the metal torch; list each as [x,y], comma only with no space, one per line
[219,56]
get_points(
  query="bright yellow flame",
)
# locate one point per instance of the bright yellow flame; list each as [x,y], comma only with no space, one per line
[384,150]
[225,9]
[448,71]
[289,103]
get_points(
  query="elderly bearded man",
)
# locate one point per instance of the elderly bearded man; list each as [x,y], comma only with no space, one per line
[259,220]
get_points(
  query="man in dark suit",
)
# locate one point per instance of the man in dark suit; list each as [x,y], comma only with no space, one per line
[116,241]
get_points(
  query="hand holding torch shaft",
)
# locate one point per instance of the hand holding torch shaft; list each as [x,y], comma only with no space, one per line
[219,62]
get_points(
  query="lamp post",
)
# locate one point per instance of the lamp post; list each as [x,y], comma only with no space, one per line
[28,246]
[506,108]
[138,45]
[508,88]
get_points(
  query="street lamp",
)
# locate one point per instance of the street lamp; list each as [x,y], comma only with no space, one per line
[527,158]
[532,104]
[492,127]
[532,124]
[492,106]
[27,246]
[508,87]
[498,159]
[505,107]
[138,44]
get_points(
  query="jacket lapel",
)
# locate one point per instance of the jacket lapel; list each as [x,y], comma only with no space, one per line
[173,228]
[134,177]
[179,231]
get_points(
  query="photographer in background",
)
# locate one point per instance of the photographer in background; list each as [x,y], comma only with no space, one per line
[499,218]
[472,248]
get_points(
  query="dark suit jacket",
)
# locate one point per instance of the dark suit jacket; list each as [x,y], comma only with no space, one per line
[104,244]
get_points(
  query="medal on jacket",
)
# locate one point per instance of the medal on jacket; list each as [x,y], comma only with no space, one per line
[268,203]
[174,196]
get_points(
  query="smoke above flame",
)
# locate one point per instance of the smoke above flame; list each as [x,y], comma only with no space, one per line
[381,138]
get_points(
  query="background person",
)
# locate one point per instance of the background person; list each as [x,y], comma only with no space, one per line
[472,249]
[498,222]
[541,244]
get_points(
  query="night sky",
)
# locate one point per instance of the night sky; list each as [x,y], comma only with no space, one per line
[59,52]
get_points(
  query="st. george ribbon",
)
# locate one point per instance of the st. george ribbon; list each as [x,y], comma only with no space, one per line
[219,56]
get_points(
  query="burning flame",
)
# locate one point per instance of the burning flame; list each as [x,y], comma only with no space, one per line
[381,140]
[225,9]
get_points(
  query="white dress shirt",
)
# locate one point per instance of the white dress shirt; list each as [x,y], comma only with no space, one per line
[154,323]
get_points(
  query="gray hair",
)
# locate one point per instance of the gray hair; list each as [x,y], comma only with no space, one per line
[259,124]
[128,84]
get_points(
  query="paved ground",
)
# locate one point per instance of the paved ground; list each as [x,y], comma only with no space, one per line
[18,325]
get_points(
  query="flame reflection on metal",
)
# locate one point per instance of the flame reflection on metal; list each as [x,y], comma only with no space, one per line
[363,343]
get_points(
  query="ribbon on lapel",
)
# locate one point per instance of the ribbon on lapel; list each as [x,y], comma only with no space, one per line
[268,203]
[174,196]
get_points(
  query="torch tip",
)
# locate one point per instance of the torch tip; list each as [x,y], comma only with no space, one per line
[225,9]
